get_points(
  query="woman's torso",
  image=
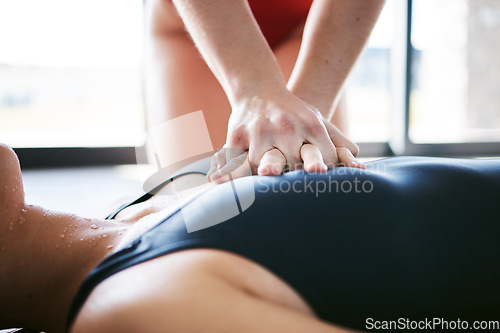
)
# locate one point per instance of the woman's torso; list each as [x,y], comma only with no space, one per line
[400,238]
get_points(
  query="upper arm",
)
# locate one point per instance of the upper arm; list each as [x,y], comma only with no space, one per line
[162,18]
[11,186]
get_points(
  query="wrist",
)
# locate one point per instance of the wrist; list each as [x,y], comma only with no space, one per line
[262,88]
[319,98]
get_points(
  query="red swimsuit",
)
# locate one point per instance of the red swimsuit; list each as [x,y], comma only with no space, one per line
[277,18]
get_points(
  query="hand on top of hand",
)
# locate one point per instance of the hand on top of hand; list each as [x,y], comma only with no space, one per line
[281,132]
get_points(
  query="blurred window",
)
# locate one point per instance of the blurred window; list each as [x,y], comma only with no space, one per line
[70,73]
[455,92]
[368,90]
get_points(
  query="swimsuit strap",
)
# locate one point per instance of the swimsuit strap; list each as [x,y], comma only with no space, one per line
[199,167]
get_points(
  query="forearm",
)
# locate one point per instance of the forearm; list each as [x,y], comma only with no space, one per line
[335,35]
[231,43]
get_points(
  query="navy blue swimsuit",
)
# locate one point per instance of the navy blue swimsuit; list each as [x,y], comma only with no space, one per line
[408,237]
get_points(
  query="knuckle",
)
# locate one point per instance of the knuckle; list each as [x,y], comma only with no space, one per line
[238,136]
[285,123]
[330,155]
[220,152]
[313,124]
[258,127]
[315,127]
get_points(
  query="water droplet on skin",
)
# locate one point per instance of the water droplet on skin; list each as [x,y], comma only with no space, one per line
[24,210]
[81,239]
[93,226]
[104,236]
[62,236]
[11,227]
[110,246]
[21,221]
[57,245]
[5,186]
[120,233]
[87,219]
[13,189]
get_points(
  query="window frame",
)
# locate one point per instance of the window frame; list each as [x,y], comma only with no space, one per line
[30,158]
[400,143]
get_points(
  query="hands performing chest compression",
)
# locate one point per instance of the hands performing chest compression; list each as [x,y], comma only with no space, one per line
[278,99]
[283,132]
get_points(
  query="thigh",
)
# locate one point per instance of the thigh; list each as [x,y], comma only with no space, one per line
[178,79]
[180,82]
[287,51]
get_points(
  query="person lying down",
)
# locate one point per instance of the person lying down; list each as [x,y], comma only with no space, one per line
[409,237]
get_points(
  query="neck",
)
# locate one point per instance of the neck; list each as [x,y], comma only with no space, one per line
[45,255]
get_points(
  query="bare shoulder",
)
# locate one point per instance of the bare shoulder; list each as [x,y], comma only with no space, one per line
[11,186]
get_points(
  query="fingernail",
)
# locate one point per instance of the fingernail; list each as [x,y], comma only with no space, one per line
[277,169]
[263,170]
